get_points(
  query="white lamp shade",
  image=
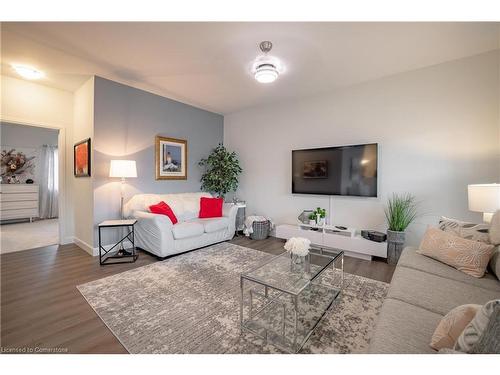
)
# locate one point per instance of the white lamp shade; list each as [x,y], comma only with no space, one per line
[122,168]
[484,197]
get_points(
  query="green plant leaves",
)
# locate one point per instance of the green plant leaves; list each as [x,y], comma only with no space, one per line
[222,171]
[401,211]
[320,212]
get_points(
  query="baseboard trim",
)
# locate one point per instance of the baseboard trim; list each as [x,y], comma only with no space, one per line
[127,244]
[67,240]
[84,246]
[94,251]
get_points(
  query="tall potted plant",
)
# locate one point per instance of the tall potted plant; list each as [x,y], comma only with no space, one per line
[222,169]
[400,212]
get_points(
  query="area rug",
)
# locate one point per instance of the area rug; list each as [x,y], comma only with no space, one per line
[190,304]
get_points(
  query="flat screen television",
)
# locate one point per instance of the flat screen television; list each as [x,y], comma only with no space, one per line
[344,170]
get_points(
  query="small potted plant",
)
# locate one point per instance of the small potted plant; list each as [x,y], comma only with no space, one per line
[320,216]
[400,212]
[312,219]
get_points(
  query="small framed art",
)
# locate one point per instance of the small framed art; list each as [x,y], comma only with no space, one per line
[171,158]
[81,158]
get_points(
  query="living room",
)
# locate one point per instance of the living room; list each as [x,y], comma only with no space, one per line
[255,188]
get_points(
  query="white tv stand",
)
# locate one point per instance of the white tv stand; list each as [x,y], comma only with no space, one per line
[329,229]
[329,235]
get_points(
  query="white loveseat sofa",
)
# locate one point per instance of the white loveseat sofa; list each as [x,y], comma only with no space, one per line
[157,235]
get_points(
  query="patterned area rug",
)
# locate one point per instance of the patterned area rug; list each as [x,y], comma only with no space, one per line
[190,304]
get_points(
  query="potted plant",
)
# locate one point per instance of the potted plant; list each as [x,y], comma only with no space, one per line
[400,212]
[222,171]
[320,216]
[312,218]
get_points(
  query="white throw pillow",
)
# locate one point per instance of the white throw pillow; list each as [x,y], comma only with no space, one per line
[476,328]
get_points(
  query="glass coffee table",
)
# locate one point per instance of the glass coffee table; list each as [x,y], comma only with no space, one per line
[284,299]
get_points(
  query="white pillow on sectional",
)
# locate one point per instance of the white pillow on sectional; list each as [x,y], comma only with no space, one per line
[186,206]
[192,201]
[175,202]
[139,202]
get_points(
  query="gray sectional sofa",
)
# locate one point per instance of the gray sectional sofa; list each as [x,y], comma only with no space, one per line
[422,291]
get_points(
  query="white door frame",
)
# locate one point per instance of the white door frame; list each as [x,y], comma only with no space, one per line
[61,145]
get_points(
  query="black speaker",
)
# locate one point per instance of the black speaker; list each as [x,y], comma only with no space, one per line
[373,235]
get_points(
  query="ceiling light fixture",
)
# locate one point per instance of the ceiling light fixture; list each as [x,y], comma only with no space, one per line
[28,72]
[265,67]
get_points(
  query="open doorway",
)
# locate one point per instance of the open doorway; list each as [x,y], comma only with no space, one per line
[29,190]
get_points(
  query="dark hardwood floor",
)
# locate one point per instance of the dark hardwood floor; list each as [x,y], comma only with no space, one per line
[42,309]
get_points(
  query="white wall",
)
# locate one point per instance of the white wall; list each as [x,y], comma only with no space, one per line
[437,129]
[82,193]
[29,103]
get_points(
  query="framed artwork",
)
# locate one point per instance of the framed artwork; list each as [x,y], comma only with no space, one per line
[81,158]
[315,169]
[171,158]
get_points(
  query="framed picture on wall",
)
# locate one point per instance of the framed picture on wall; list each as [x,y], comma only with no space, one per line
[81,158]
[171,158]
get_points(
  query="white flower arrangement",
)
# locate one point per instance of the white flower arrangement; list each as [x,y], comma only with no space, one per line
[298,246]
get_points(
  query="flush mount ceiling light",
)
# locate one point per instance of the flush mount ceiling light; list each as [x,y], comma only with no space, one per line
[266,68]
[27,72]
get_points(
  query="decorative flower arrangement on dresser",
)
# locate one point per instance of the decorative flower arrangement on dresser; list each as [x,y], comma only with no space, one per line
[18,201]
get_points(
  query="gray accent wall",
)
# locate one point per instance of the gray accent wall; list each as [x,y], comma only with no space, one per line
[25,136]
[27,139]
[126,121]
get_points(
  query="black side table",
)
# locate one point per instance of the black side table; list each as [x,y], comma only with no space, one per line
[117,254]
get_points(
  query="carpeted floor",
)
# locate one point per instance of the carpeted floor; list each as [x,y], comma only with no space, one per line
[25,236]
[190,304]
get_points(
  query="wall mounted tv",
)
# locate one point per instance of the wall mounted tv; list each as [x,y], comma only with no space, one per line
[345,170]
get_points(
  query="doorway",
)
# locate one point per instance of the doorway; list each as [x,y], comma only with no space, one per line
[29,190]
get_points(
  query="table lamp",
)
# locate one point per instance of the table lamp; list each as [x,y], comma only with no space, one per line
[122,169]
[484,198]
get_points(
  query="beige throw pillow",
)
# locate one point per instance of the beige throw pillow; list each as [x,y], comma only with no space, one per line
[476,328]
[452,325]
[470,257]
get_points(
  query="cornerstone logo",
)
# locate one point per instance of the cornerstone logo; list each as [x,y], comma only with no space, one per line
[31,350]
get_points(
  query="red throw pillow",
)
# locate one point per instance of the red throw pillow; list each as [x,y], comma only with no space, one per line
[210,207]
[163,209]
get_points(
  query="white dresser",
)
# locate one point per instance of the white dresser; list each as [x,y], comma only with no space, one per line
[18,201]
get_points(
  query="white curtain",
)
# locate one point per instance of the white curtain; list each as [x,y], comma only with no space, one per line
[49,182]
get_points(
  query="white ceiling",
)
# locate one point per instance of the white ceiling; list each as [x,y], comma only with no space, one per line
[208,64]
